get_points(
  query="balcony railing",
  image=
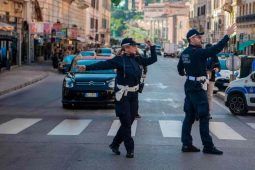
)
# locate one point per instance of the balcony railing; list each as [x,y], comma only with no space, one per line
[246,18]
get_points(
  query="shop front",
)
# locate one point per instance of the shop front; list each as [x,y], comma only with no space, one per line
[8,45]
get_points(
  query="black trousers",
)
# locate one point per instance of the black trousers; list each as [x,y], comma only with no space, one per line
[126,110]
[196,107]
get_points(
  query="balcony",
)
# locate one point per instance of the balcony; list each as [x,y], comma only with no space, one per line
[82,4]
[246,18]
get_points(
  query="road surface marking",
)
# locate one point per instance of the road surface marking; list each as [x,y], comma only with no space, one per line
[171,128]
[222,131]
[221,105]
[70,127]
[251,125]
[116,125]
[17,125]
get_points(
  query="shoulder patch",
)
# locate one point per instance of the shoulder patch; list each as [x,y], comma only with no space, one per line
[185,58]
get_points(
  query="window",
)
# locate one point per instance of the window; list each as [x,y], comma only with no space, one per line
[250,9]
[208,25]
[253,11]
[203,10]
[104,23]
[96,25]
[93,3]
[97,4]
[91,23]
[246,9]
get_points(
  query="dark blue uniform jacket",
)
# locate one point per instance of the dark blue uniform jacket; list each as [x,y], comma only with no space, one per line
[193,62]
[128,67]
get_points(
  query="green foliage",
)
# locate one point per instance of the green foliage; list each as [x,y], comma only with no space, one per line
[116,2]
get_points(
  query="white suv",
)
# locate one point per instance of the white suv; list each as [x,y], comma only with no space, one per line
[240,95]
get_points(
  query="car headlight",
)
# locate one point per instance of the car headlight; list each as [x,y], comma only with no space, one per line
[68,83]
[111,83]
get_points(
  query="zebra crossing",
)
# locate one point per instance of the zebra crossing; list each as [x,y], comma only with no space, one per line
[74,127]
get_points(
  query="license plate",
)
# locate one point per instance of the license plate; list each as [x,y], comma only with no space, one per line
[91,95]
[225,84]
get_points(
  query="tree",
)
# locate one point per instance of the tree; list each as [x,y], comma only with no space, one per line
[116,2]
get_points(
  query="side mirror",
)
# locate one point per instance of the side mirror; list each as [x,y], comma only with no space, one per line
[253,77]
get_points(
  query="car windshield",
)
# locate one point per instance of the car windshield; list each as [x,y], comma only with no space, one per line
[104,51]
[68,59]
[78,63]
[158,47]
[87,53]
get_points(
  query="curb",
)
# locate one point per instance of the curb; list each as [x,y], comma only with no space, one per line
[3,69]
[221,95]
[23,85]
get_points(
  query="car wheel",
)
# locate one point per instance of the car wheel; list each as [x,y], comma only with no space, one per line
[66,106]
[237,104]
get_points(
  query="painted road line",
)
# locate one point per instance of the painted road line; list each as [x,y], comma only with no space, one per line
[116,125]
[70,127]
[222,131]
[170,128]
[251,125]
[17,125]
[222,106]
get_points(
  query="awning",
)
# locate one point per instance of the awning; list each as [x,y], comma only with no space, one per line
[6,27]
[246,44]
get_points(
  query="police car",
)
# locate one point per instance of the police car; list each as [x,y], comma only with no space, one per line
[240,95]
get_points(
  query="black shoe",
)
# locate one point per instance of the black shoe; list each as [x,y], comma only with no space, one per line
[190,148]
[115,149]
[212,150]
[138,116]
[130,155]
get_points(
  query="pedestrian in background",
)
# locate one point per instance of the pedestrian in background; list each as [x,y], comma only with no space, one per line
[192,63]
[127,85]
[213,67]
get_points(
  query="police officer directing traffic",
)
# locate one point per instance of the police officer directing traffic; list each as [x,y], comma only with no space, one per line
[192,63]
[127,85]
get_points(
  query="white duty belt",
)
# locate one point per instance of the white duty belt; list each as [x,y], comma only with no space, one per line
[124,91]
[203,80]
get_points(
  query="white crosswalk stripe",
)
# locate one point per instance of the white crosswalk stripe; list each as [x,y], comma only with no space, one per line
[70,127]
[170,128]
[222,131]
[251,125]
[17,125]
[116,125]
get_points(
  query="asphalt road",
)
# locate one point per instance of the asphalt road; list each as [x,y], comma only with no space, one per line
[37,133]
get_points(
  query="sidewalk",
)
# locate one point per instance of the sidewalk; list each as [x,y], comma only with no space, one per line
[20,77]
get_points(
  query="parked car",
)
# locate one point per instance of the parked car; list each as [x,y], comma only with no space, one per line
[240,95]
[107,52]
[87,53]
[91,87]
[158,49]
[65,64]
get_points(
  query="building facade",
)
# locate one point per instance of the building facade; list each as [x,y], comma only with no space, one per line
[11,16]
[214,16]
[40,23]
[246,26]
[164,19]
